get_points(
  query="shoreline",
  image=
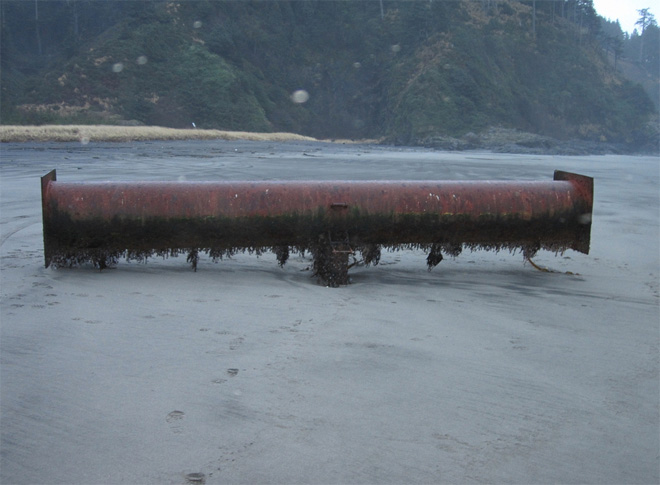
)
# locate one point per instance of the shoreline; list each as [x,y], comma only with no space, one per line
[494,139]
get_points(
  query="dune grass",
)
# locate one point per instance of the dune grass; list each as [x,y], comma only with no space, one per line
[91,133]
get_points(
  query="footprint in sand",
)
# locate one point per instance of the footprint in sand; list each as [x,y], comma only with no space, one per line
[236,343]
[196,477]
[175,420]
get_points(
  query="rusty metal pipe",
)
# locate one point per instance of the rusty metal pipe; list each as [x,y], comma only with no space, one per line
[84,221]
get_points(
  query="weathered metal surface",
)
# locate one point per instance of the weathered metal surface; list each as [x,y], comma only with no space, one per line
[90,221]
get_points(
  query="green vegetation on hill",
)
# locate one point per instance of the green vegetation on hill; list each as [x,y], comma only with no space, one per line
[410,72]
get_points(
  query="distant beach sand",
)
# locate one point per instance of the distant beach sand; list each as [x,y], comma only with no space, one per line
[88,133]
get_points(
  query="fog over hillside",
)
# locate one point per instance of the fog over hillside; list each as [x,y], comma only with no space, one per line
[433,73]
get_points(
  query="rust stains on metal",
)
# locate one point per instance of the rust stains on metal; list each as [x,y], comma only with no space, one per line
[103,221]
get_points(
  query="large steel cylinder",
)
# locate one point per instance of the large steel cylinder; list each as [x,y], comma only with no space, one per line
[88,221]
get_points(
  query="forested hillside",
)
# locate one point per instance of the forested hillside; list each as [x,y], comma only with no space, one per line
[410,71]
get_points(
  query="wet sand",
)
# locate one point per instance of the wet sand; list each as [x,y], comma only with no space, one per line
[482,370]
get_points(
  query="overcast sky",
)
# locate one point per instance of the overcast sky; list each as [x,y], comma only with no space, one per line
[625,11]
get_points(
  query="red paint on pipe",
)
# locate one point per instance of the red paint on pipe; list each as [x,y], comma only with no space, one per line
[247,199]
[83,219]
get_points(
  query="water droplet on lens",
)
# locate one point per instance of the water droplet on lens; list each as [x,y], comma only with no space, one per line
[300,96]
[584,218]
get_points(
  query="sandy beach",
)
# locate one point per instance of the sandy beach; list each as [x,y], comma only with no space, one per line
[482,370]
[115,133]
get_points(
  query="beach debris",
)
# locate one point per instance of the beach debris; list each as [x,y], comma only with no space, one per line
[548,270]
[102,222]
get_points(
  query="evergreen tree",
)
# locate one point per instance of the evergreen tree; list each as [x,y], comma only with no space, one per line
[646,19]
